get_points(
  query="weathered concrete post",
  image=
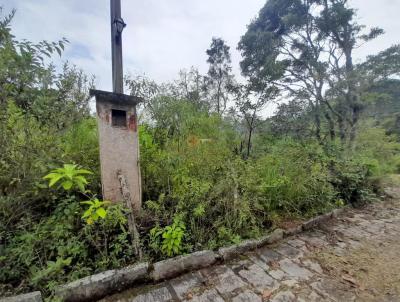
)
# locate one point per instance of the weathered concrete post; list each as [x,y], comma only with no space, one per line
[119,146]
[117,125]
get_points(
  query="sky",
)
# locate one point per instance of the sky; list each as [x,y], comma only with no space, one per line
[163,36]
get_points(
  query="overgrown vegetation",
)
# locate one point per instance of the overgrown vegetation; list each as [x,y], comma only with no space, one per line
[214,170]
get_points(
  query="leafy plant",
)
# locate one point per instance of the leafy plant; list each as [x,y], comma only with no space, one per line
[53,268]
[95,211]
[168,240]
[172,238]
[70,176]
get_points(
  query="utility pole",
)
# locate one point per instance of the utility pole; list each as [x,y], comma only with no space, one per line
[118,129]
[117,26]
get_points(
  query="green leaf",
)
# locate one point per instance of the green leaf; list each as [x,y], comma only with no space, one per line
[55,179]
[101,212]
[87,213]
[67,185]
[83,171]
[81,179]
[81,187]
[50,175]
[67,261]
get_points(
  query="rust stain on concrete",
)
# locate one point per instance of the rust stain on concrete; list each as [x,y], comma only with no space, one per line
[132,125]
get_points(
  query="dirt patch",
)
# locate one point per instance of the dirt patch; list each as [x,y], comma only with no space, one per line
[373,269]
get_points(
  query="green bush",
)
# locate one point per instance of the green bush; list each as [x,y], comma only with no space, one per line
[62,247]
[378,151]
[291,179]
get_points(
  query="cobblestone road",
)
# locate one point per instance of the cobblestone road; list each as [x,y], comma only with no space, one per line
[334,263]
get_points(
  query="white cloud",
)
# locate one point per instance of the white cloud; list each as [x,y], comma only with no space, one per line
[163,36]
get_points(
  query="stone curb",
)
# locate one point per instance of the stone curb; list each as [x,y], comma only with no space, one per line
[314,222]
[173,267]
[227,253]
[108,282]
[102,284]
[29,297]
[337,212]
[293,231]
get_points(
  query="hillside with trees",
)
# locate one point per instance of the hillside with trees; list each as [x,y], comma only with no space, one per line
[215,170]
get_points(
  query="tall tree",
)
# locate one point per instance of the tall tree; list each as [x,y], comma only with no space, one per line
[338,22]
[306,47]
[33,84]
[284,45]
[219,78]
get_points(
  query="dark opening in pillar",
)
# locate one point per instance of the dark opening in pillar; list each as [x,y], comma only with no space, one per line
[118,118]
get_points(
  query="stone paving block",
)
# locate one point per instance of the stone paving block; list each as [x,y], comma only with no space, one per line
[294,270]
[297,243]
[257,277]
[267,254]
[228,282]
[307,295]
[354,244]
[356,219]
[256,260]
[338,251]
[331,289]
[314,241]
[375,229]
[277,274]
[285,296]
[161,294]
[211,272]
[364,223]
[341,244]
[313,266]
[338,228]
[288,251]
[29,297]
[223,279]
[207,296]
[239,265]
[290,283]
[185,284]
[355,233]
[247,296]
[317,234]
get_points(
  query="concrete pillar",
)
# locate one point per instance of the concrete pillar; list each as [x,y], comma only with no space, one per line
[119,145]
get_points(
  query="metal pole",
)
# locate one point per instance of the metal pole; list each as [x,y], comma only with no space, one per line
[116,47]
